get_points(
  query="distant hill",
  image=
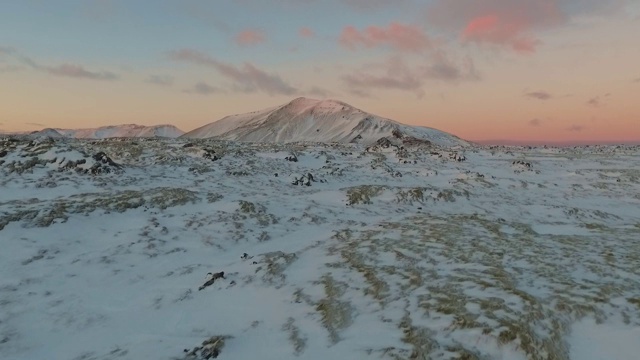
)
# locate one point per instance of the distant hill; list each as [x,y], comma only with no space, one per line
[126,130]
[45,133]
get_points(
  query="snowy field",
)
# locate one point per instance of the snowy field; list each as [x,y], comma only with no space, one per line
[382,253]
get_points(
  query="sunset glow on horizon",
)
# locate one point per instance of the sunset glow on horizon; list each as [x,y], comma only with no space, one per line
[521,70]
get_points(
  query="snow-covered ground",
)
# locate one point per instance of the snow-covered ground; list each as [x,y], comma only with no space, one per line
[384,253]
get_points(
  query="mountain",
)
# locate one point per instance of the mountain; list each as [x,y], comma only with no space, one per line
[317,121]
[126,130]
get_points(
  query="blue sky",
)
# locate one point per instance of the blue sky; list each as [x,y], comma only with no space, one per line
[142,31]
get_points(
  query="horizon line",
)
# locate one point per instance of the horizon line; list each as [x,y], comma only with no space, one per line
[538,142]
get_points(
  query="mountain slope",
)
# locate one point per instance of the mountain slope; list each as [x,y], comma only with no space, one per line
[319,121]
[126,130]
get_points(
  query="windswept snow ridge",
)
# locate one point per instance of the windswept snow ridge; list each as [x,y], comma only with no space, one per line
[317,121]
[190,249]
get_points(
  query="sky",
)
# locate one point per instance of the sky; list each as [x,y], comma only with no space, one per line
[522,70]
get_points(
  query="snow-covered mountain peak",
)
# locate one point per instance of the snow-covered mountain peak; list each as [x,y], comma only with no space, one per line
[312,120]
[302,104]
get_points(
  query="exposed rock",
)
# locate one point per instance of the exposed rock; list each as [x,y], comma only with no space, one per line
[457,157]
[103,158]
[384,143]
[210,349]
[522,163]
[210,154]
[292,158]
[303,180]
[211,279]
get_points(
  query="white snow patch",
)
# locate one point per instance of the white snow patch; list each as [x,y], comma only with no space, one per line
[592,341]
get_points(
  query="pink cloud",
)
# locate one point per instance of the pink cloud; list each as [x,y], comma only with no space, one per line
[305,32]
[506,23]
[398,36]
[500,31]
[250,37]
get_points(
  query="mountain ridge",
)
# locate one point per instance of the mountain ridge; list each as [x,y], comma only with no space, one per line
[300,120]
[103,132]
[123,130]
[305,119]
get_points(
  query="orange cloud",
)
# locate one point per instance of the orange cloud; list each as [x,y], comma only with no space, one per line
[398,36]
[250,37]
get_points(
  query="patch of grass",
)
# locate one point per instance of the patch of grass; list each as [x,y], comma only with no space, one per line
[634,301]
[410,196]
[363,194]
[276,264]
[248,207]
[420,339]
[298,341]
[213,197]
[336,314]
[255,211]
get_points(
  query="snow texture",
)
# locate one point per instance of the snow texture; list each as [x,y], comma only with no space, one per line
[353,251]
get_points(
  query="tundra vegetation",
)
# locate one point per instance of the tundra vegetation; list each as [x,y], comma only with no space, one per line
[396,252]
